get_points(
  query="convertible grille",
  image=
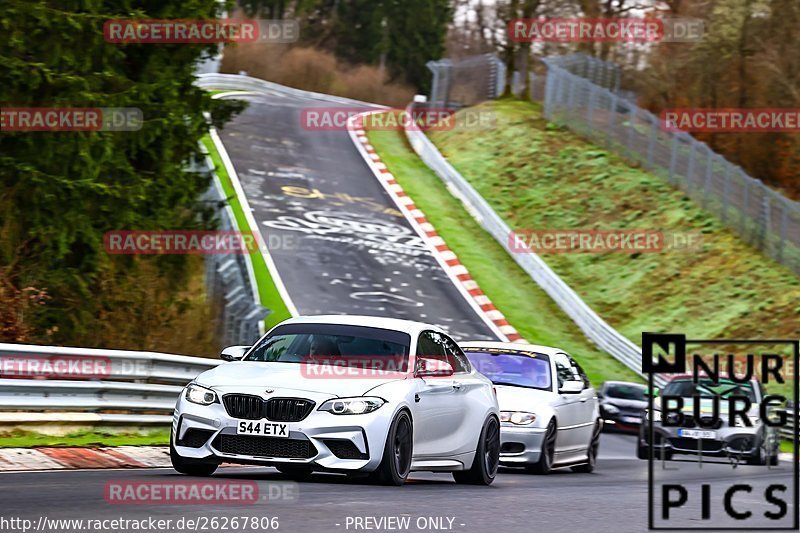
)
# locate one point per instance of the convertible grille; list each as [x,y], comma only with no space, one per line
[251,407]
[265,446]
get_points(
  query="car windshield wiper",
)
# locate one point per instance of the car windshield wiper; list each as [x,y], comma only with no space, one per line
[508,383]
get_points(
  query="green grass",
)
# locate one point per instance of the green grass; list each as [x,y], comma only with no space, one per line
[540,176]
[267,290]
[26,439]
[525,305]
[787,446]
[537,175]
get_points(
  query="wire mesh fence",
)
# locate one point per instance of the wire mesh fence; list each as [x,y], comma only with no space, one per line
[762,217]
[467,81]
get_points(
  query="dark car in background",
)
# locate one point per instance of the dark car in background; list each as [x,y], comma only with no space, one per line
[622,405]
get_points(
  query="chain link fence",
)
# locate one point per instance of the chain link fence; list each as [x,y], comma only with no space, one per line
[577,95]
[467,81]
[230,284]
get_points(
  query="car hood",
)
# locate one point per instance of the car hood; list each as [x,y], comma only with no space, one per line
[521,399]
[253,377]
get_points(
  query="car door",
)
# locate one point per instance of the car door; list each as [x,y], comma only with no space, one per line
[589,410]
[437,404]
[568,408]
[473,397]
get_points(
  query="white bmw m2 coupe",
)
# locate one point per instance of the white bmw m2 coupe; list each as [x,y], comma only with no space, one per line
[350,394]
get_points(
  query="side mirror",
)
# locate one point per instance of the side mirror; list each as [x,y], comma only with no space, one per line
[433,367]
[233,353]
[571,387]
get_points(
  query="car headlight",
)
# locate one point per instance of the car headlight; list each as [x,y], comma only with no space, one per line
[519,418]
[352,406]
[200,395]
[611,409]
[656,415]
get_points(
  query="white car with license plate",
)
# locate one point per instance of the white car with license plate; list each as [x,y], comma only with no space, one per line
[349,394]
[549,411]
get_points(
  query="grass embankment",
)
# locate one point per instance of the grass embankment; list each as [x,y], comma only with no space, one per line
[525,305]
[87,439]
[267,290]
[539,176]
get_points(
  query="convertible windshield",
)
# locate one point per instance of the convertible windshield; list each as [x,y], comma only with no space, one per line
[508,367]
[306,343]
[706,388]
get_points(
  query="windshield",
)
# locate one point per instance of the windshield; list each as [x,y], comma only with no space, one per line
[509,367]
[626,391]
[304,343]
[706,388]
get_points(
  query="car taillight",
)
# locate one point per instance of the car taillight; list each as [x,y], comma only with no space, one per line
[494,390]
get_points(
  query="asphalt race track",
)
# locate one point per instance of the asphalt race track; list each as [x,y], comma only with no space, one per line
[337,239]
[612,499]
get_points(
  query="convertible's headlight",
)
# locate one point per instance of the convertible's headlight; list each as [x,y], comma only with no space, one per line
[352,406]
[611,409]
[200,395]
[518,418]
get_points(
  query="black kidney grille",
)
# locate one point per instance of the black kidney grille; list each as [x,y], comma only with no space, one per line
[265,446]
[244,406]
[251,407]
[287,409]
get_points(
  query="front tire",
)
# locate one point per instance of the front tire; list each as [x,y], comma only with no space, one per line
[545,463]
[190,467]
[396,463]
[487,456]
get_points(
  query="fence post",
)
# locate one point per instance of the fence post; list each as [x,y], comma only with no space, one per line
[611,119]
[709,172]
[631,130]
[745,207]
[784,224]
[651,144]
[726,188]
[690,169]
[673,158]
[763,229]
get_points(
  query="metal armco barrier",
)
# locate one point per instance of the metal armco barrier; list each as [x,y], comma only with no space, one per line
[143,385]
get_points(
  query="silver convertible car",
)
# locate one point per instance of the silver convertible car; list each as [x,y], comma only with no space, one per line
[549,412]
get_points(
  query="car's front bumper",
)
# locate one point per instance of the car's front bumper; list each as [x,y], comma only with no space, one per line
[520,446]
[728,441]
[322,440]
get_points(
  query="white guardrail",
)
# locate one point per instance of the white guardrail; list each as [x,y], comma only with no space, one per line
[83,385]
